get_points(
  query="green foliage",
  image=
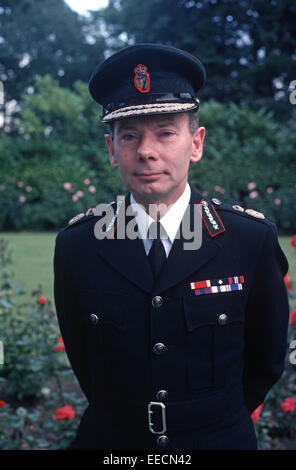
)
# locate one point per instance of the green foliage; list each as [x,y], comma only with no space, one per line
[44,37]
[244,46]
[35,368]
[29,332]
[243,146]
[61,141]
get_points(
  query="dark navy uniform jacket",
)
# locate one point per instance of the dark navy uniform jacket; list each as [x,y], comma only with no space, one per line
[209,358]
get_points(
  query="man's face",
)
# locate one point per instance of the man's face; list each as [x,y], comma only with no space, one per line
[153,154]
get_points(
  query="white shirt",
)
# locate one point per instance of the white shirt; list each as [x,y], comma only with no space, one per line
[170,221]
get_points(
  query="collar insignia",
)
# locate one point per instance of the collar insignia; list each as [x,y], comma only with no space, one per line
[211,219]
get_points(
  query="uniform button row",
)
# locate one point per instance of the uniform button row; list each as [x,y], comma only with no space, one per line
[159,347]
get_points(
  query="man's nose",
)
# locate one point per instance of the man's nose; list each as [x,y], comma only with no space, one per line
[147,147]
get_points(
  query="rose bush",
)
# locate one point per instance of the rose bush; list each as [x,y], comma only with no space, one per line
[275,420]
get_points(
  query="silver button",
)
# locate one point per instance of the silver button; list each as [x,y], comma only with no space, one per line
[94,319]
[159,348]
[157,301]
[223,319]
[216,201]
[162,395]
[162,441]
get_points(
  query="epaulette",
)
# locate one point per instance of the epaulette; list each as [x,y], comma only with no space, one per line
[82,217]
[250,213]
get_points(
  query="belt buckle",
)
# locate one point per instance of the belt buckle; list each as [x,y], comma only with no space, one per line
[163,417]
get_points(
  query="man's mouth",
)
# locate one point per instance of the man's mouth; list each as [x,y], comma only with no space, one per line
[149,176]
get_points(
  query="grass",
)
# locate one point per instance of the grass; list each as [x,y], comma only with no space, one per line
[32,258]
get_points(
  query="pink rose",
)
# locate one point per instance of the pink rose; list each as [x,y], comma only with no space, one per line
[277,201]
[92,189]
[67,186]
[253,194]
[252,186]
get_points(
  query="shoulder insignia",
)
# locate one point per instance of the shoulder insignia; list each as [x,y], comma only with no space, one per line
[90,211]
[76,218]
[255,213]
[216,201]
[238,208]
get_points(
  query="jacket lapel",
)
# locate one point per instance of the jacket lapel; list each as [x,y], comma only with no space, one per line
[127,256]
[180,262]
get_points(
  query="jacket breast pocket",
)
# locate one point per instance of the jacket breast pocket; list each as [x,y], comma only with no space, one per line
[213,339]
[105,317]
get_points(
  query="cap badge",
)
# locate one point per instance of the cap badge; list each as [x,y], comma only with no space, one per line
[142,78]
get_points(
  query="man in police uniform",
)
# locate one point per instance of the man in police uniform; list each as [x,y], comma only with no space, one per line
[174,348]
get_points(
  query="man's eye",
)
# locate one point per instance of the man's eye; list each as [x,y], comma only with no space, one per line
[128,137]
[166,134]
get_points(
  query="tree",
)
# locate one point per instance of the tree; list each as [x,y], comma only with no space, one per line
[248,47]
[44,38]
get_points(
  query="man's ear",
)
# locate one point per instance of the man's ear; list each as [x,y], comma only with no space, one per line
[197,144]
[110,146]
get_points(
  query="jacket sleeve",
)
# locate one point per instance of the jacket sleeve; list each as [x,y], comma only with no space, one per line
[69,318]
[267,318]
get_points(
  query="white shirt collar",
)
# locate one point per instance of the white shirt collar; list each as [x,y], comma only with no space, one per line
[171,219]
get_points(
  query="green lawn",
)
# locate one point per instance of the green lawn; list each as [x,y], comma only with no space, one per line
[32,256]
[32,259]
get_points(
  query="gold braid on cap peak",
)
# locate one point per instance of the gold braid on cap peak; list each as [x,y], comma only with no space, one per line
[149,108]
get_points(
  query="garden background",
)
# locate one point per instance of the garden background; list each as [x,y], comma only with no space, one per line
[54,165]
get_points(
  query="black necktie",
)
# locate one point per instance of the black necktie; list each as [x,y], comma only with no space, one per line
[156,254]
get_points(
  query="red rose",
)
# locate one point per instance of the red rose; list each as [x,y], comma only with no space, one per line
[42,300]
[289,405]
[256,413]
[66,412]
[293,241]
[60,346]
[288,282]
[293,318]
[2,403]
